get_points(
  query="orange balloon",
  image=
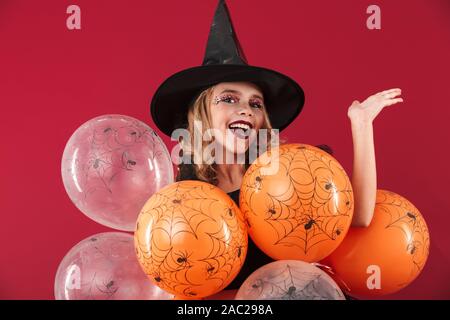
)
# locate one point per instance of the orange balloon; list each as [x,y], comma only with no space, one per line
[386,256]
[300,210]
[191,239]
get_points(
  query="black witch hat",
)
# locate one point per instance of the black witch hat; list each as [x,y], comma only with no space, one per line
[224,61]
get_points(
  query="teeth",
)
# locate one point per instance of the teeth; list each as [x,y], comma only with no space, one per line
[239,126]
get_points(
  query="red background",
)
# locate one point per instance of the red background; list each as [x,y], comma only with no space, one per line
[52,80]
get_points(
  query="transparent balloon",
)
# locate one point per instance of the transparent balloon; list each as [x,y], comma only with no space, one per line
[104,267]
[111,166]
[289,280]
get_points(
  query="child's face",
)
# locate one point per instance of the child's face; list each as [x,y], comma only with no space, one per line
[237,113]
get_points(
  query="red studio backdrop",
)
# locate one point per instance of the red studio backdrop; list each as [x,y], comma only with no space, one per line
[53,79]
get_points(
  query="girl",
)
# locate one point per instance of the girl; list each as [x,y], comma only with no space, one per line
[221,105]
[231,98]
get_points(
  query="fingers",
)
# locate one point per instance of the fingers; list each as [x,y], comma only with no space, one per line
[391,95]
[390,91]
[390,102]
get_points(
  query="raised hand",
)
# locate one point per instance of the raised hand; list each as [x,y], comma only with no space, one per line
[367,111]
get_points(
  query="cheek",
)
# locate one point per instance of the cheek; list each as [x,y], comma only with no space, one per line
[259,120]
[218,117]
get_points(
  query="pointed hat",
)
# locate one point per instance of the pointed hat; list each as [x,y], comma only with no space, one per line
[224,61]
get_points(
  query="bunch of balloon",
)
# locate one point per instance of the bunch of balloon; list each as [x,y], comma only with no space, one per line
[298,203]
[110,166]
[191,239]
[388,255]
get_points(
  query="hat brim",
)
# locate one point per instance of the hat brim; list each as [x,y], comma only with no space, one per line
[284,98]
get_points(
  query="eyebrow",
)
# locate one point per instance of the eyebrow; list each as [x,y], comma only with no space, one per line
[238,92]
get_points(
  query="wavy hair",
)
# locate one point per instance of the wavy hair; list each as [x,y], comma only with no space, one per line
[204,170]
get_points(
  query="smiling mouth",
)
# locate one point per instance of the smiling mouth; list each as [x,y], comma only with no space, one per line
[241,129]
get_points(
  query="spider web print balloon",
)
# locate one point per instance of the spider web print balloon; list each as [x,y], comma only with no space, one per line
[289,280]
[191,239]
[389,254]
[303,210]
[104,267]
[111,165]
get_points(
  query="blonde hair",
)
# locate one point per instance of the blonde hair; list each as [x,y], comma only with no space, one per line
[200,111]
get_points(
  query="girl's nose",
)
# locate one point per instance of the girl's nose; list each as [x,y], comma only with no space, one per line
[245,109]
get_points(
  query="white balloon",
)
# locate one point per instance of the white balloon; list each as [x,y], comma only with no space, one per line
[104,267]
[111,166]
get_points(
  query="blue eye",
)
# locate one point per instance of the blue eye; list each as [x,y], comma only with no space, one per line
[230,99]
[227,99]
[256,105]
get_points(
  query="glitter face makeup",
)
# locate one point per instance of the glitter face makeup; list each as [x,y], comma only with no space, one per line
[232,99]
[237,114]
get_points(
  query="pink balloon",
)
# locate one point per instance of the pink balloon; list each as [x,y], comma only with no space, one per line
[102,267]
[111,166]
[289,280]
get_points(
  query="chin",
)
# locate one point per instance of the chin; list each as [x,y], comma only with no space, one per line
[237,152]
